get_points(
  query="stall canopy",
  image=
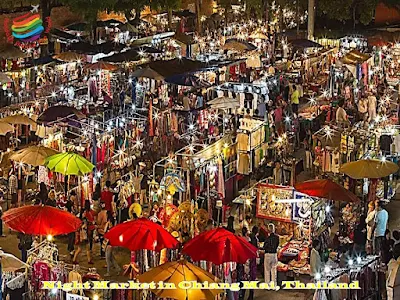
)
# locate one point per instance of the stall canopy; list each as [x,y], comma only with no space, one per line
[177,66]
[4,78]
[238,45]
[355,57]
[188,80]
[57,112]
[147,73]
[224,103]
[64,36]
[327,189]
[304,43]
[87,48]
[126,56]
[11,52]
[69,56]
[184,13]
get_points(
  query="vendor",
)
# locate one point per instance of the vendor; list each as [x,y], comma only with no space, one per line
[271,244]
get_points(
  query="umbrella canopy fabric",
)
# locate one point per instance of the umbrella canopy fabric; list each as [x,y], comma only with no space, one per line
[224,103]
[258,35]
[11,52]
[18,120]
[41,220]
[33,155]
[238,45]
[141,234]
[176,66]
[304,43]
[5,128]
[126,56]
[369,168]
[56,112]
[224,246]
[325,188]
[69,56]
[10,263]
[101,65]
[4,78]
[177,271]
[69,163]
[187,80]
[147,73]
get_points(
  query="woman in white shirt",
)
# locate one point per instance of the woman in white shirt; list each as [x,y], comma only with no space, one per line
[370,221]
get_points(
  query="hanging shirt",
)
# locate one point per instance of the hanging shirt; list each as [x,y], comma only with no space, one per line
[107,198]
[295,97]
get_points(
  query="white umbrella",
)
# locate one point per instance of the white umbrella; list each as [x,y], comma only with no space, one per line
[9,263]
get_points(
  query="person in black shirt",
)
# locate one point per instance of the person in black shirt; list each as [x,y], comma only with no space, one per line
[69,206]
[230,226]
[360,237]
[271,244]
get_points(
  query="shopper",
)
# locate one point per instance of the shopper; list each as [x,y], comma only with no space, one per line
[295,100]
[253,261]
[110,259]
[25,243]
[13,188]
[230,225]
[41,197]
[381,220]
[107,197]
[396,246]
[370,222]
[101,222]
[271,244]
[315,259]
[89,215]
[387,247]
[82,241]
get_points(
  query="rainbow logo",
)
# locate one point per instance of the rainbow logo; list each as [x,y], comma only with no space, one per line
[27,28]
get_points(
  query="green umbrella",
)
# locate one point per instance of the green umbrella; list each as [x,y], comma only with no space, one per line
[69,163]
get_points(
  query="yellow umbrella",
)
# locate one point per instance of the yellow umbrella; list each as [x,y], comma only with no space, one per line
[18,119]
[258,35]
[69,163]
[5,128]
[177,272]
[369,168]
[33,155]
[9,263]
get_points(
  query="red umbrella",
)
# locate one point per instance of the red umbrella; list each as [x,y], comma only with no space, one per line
[41,220]
[219,246]
[141,234]
[325,188]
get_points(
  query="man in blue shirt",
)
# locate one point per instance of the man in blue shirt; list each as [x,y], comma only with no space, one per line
[381,221]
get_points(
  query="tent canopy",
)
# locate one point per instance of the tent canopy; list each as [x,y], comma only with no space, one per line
[187,80]
[83,47]
[304,43]
[176,66]
[127,56]
[355,57]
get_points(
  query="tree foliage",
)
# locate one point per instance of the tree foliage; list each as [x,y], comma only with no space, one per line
[127,6]
[344,10]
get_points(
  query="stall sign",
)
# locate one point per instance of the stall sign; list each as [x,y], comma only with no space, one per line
[301,210]
[27,28]
[318,215]
[268,205]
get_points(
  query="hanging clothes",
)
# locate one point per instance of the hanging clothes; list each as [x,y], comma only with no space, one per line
[221,180]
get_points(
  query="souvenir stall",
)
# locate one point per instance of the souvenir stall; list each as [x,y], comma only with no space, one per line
[335,146]
[298,220]
[45,265]
[359,64]
[251,96]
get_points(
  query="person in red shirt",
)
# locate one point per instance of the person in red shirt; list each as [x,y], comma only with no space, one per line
[107,197]
[90,217]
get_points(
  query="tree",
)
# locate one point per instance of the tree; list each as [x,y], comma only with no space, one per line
[344,10]
[126,6]
[168,5]
[89,10]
